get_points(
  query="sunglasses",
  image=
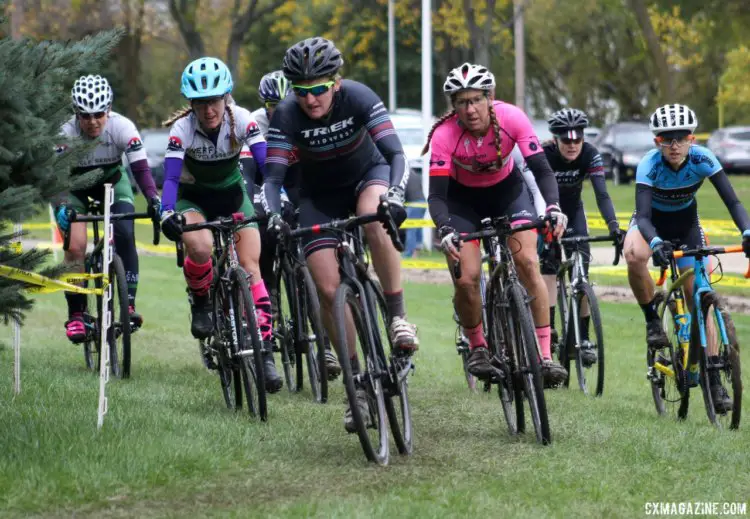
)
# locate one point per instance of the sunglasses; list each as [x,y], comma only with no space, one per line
[206,102]
[271,104]
[568,141]
[315,90]
[88,117]
[668,143]
[464,103]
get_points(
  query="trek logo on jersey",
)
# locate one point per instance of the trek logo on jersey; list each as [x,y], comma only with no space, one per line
[134,145]
[252,130]
[329,130]
[572,176]
[175,144]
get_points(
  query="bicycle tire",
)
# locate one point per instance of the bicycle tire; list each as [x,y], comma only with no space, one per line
[118,336]
[509,388]
[251,367]
[527,354]
[347,298]
[563,300]
[313,336]
[585,291]
[399,416]
[229,373]
[92,342]
[730,368]
[284,328]
[667,391]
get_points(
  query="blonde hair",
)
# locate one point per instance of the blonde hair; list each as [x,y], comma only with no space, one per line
[187,110]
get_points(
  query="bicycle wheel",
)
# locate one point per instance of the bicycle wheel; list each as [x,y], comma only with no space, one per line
[462,346]
[118,336]
[285,304]
[563,311]
[589,353]
[397,404]
[727,365]
[666,366]
[524,340]
[248,351]
[92,318]
[371,429]
[509,387]
[222,345]
[312,335]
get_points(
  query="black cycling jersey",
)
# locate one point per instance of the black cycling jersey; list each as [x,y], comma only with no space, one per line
[571,175]
[335,151]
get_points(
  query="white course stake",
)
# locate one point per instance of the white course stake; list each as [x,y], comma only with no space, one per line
[109,198]
[17,229]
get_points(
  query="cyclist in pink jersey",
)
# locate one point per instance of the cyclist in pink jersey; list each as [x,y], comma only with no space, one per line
[473,176]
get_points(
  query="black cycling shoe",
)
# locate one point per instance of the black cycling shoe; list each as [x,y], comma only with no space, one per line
[332,365]
[719,394]
[272,378]
[202,325]
[479,364]
[655,336]
[553,373]
[588,353]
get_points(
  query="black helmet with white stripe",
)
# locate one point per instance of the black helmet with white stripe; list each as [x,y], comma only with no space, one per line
[568,122]
[673,118]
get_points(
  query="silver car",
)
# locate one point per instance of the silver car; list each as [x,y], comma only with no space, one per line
[731,145]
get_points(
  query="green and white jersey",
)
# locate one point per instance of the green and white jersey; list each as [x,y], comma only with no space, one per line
[210,165]
[118,136]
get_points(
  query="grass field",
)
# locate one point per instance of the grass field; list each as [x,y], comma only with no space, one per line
[169,447]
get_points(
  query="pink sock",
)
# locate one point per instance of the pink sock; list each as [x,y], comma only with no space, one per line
[543,335]
[262,309]
[198,276]
[476,336]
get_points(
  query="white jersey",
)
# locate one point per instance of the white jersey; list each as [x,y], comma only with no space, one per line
[528,177]
[262,117]
[118,136]
[206,163]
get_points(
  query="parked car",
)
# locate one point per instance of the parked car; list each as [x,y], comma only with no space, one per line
[410,130]
[622,146]
[591,133]
[155,142]
[541,128]
[731,145]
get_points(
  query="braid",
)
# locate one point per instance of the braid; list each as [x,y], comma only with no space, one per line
[232,133]
[179,114]
[498,138]
[443,118]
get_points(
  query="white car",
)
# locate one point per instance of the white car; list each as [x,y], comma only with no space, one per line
[410,130]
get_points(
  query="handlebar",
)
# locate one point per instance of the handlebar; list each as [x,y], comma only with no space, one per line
[500,225]
[702,252]
[592,239]
[383,215]
[74,217]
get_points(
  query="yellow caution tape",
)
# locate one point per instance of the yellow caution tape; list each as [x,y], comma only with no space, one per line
[44,285]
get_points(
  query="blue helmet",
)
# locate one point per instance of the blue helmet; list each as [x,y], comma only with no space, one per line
[274,86]
[206,77]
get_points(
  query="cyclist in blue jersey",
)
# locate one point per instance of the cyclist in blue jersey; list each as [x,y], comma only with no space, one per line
[667,180]
[350,155]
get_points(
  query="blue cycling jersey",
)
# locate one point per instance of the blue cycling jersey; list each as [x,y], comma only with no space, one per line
[675,190]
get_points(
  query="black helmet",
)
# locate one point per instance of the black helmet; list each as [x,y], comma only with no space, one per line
[568,121]
[311,58]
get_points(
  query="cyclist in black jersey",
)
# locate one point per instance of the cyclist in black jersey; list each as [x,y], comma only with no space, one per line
[350,155]
[574,160]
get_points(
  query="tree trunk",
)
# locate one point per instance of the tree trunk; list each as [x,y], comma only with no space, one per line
[130,55]
[666,80]
[480,37]
[183,14]
[241,26]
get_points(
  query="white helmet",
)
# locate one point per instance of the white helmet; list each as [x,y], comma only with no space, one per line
[91,94]
[469,76]
[669,118]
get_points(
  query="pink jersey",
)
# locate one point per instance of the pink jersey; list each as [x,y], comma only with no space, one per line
[473,161]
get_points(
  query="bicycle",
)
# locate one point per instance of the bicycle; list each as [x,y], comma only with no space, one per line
[298,325]
[382,376]
[510,328]
[685,363]
[118,337]
[235,323]
[574,295]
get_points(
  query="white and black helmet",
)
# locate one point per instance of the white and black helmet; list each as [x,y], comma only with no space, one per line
[670,118]
[469,76]
[568,122]
[91,94]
